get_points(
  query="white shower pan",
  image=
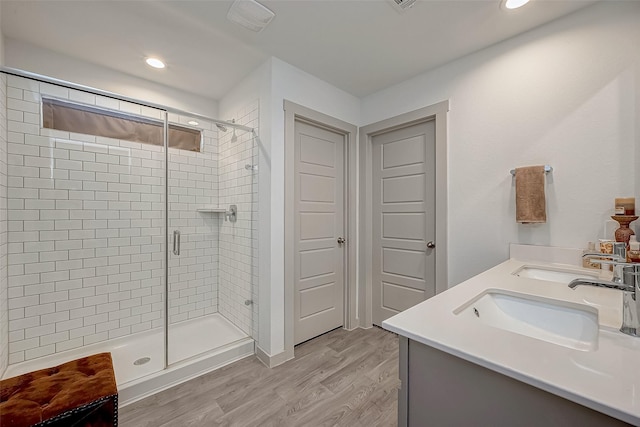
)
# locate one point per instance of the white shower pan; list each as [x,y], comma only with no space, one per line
[197,346]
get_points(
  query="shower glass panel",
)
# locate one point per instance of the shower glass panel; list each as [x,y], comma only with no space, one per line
[86,233]
[208,309]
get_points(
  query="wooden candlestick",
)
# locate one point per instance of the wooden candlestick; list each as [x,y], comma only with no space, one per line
[624,232]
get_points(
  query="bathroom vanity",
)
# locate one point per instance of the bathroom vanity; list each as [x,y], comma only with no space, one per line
[516,346]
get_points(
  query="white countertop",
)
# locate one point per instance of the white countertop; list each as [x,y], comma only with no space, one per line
[606,379]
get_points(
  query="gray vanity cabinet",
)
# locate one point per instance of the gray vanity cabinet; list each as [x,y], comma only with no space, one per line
[439,389]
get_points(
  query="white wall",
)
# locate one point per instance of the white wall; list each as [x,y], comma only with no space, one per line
[28,57]
[565,94]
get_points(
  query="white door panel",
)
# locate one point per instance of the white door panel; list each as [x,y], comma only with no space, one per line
[316,151]
[319,221]
[403,153]
[403,199]
[317,225]
[399,298]
[316,263]
[402,262]
[403,189]
[403,225]
[317,299]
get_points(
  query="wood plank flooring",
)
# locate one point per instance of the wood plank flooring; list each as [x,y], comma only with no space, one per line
[342,378]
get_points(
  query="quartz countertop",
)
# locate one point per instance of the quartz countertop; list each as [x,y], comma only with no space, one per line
[606,379]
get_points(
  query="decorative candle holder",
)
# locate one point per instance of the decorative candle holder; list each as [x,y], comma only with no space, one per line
[624,232]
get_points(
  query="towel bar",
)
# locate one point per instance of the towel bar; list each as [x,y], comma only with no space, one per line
[547,169]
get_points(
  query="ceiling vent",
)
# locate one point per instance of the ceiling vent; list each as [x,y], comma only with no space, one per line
[250,14]
[402,5]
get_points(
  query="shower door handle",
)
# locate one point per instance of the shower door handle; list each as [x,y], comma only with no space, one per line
[176,242]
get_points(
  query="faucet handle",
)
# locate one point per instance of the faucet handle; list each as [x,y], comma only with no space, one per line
[618,267]
[614,257]
[613,262]
[620,249]
[631,274]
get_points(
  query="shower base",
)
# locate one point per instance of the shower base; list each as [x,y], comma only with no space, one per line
[196,347]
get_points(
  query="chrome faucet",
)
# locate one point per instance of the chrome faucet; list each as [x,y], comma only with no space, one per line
[630,287]
[618,257]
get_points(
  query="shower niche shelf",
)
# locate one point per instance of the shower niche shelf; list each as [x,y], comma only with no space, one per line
[211,209]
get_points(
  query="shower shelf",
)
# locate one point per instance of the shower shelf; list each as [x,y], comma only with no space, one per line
[211,209]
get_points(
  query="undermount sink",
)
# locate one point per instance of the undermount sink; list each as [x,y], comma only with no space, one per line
[553,274]
[559,322]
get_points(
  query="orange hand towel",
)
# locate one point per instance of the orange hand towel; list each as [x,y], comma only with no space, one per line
[530,198]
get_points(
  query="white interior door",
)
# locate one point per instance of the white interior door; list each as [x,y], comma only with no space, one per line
[319,224]
[403,214]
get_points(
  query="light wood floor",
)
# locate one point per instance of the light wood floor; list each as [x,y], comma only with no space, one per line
[341,378]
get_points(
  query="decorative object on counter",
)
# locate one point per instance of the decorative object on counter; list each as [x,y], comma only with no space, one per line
[606,247]
[586,262]
[531,207]
[624,232]
[625,206]
[633,254]
[82,392]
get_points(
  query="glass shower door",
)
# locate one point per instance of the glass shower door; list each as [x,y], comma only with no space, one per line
[196,219]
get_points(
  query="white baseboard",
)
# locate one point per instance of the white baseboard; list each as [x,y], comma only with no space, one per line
[275,360]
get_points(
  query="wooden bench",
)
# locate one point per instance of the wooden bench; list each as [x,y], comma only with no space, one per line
[79,393]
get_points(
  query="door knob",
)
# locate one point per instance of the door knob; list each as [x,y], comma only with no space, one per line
[431,245]
[341,240]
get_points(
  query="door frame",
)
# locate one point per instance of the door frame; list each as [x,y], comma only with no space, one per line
[438,113]
[293,112]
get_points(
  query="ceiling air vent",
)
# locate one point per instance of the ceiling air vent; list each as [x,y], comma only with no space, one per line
[250,14]
[402,5]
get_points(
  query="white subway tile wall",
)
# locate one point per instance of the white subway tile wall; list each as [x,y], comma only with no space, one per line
[4,312]
[238,297]
[86,229]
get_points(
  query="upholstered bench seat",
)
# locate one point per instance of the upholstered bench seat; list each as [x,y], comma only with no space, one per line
[78,393]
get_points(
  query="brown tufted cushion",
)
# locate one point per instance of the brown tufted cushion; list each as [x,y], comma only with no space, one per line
[41,395]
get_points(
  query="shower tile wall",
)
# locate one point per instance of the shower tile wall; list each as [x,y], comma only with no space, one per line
[86,229]
[193,184]
[238,241]
[4,313]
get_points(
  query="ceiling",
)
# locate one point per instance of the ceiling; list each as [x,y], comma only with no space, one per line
[359,46]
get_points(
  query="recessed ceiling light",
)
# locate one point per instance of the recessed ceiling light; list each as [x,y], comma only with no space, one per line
[154,62]
[193,123]
[514,4]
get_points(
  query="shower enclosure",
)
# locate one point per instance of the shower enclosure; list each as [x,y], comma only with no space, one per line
[129,228]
